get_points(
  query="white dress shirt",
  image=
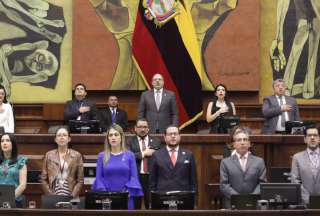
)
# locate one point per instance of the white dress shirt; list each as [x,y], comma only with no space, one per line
[6,118]
[279,128]
[146,142]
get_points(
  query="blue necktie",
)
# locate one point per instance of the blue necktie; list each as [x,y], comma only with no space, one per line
[113,115]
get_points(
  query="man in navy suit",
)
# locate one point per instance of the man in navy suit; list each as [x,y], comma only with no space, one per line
[143,146]
[173,168]
[278,109]
[112,115]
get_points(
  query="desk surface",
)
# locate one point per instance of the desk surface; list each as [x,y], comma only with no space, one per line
[58,212]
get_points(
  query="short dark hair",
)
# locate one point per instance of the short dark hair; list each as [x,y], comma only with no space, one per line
[165,132]
[14,152]
[141,119]
[80,84]
[310,127]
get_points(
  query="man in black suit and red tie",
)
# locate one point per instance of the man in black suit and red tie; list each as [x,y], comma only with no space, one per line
[173,168]
[143,146]
[112,115]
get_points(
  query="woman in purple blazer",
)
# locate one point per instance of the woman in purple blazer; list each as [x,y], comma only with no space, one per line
[116,167]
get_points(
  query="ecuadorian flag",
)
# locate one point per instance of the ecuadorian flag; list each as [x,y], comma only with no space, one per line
[172,50]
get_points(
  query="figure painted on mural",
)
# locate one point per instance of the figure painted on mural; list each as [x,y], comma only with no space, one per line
[208,16]
[37,12]
[39,63]
[119,17]
[301,80]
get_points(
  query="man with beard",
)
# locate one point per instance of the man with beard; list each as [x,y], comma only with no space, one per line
[305,165]
[143,146]
[173,168]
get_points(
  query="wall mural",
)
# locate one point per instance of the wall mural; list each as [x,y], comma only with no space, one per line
[31,38]
[118,16]
[294,52]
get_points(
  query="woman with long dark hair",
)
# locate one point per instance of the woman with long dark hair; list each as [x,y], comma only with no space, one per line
[220,106]
[13,168]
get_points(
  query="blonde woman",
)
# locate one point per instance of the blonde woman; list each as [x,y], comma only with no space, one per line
[116,167]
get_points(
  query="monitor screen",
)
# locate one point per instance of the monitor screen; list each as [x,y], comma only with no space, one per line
[289,193]
[228,122]
[244,201]
[7,196]
[181,199]
[93,199]
[297,127]
[78,126]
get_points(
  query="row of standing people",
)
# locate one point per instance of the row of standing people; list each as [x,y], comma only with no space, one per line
[160,168]
[242,172]
[157,105]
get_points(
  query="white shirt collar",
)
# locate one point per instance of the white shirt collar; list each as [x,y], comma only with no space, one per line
[160,90]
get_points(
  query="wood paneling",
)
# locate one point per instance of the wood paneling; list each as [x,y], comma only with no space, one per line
[277,151]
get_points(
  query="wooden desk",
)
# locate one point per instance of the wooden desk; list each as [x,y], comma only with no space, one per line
[276,150]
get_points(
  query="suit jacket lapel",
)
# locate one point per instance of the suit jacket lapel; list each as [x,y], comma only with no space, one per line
[236,162]
[249,162]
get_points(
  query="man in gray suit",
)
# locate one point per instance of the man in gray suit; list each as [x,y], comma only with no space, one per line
[242,172]
[305,166]
[278,109]
[158,106]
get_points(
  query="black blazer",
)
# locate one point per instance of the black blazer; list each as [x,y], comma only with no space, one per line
[71,110]
[105,117]
[133,145]
[166,177]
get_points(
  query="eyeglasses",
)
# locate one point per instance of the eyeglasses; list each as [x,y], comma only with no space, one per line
[312,135]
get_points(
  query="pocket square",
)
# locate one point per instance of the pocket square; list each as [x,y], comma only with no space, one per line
[186,161]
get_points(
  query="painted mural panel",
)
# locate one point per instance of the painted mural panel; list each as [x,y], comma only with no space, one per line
[35,49]
[108,45]
[292,51]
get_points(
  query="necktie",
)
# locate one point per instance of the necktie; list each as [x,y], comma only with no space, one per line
[145,160]
[113,116]
[314,162]
[158,101]
[243,163]
[283,116]
[173,157]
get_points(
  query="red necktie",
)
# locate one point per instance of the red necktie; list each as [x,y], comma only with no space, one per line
[145,160]
[173,157]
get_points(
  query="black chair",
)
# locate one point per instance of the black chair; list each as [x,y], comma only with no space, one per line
[50,201]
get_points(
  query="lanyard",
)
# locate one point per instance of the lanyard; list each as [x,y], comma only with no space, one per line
[61,167]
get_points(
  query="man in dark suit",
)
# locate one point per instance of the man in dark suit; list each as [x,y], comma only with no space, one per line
[143,146]
[173,168]
[112,115]
[158,106]
[242,172]
[278,109]
[305,168]
[80,108]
